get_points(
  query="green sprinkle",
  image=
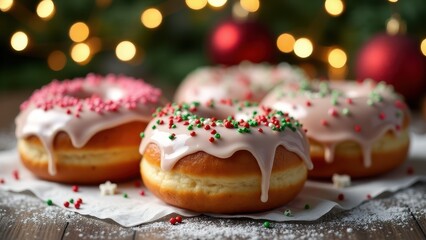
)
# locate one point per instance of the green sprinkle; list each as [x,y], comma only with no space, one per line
[190,127]
[287,213]
[202,119]
[334,101]
[370,102]
[229,118]
[49,202]
[247,104]
[239,108]
[307,206]
[196,104]
[240,130]
[172,136]
[71,200]
[199,125]
[142,134]
[398,114]
[173,126]
[267,224]
[345,111]
[154,115]
[217,135]
[125,195]
[154,127]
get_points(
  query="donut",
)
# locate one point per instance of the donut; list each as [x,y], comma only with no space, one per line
[354,128]
[224,157]
[247,81]
[85,130]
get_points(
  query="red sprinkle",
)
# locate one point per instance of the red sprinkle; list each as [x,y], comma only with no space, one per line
[193,134]
[79,200]
[349,100]
[178,219]
[308,103]
[213,131]
[368,196]
[382,116]
[15,174]
[357,128]
[172,221]
[410,170]
[186,123]
[211,139]
[332,112]
[77,205]
[142,193]
[1,180]
[341,197]
[207,127]
[74,188]
[397,127]
[260,130]
[66,204]
[324,122]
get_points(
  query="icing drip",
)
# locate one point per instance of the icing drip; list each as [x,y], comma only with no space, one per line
[83,107]
[246,81]
[172,129]
[336,112]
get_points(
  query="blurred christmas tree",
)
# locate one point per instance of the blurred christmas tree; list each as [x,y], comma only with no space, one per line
[163,40]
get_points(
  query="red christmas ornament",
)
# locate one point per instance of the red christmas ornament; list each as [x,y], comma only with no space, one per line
[396,60]
[232,42]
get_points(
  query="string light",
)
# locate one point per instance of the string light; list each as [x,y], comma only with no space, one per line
[303,47]
[80,53]
[196,4]
[6,5]
[45,9]
[79,32]
[238,11]
[334,7]
[423,46]
[217,3]
[151,18]
[125,51]
[250,5]
[285,42]
[393,1]
[337,58]
[19,41]
[56,60]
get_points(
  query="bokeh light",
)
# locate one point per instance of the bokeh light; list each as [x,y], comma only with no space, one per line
[56,60]
[423,46]
[79,32]
[80,53]
[250,5]
[45,9]
[303,47]
[217,3]
[151,18]
[196,4]
[19,41]
[285,43]
[239,12]
[337,58]
[6,5]
[334,7]
[393,1]
[125,51]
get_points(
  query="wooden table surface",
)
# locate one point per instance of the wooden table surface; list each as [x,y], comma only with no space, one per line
[400,215]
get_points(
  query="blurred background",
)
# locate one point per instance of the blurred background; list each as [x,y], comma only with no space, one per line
[162,41]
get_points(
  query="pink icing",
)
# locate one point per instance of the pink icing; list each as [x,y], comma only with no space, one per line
[246,81]
[179,132]
[339,111]
[84,106]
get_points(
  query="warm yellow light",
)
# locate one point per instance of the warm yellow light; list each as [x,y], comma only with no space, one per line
[303,47]
[337,58]
[125,51]
[423,46]
[80,53]
[217,3]
[45,9]
[196,4]
[6,5]
[151,18]
[393,1]
[250,5]
[19,41]
[239,12]
[56,60]
[79,32]
[285,43]
[334,7]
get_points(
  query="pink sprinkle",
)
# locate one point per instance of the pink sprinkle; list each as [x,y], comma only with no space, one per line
[349,100]
[324,122]
[382,116]
[142,193]
[357,128]
[74,188]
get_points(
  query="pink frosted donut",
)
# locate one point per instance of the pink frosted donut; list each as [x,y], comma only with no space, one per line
[85,130]
[246,81]
[359,129]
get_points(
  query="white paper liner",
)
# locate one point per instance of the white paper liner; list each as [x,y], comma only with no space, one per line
[137,209]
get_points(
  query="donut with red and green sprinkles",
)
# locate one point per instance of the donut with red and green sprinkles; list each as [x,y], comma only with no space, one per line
[220,129]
